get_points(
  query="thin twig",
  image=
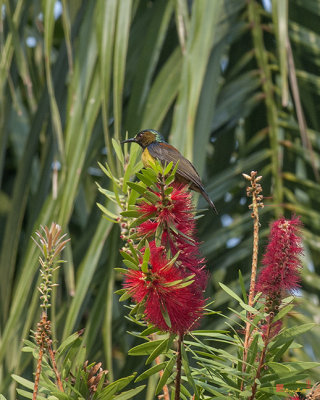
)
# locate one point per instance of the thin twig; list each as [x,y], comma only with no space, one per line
[261,359]
[55,368]
[38,372]
[179,364]
[165,389]
[253,191]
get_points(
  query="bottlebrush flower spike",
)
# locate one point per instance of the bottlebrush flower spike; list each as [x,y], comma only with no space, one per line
[172,216]
[172,212]
[171,300]
[299,396]
[281,261]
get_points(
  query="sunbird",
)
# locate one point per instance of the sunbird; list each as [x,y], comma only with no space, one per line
[156,148]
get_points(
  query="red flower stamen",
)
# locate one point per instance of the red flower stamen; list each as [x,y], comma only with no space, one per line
[161,290]
[281,271]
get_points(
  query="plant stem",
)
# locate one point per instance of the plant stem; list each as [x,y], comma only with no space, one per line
[55,368]
[252,191]
[38,372]
[256,224]
[261,359]
[179,364]
[165,389]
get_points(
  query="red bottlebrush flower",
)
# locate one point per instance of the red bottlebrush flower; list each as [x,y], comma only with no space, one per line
[190,260]
[174,214]
[162,292]
[177,224]
[281,260]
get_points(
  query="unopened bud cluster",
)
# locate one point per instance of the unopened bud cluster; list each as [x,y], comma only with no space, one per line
[125,230]
[255,189]
[95,375]
[43,333]
[51,243]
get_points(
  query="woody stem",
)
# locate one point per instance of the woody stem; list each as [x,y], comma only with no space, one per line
[261,359]
[253,191]
[179,364]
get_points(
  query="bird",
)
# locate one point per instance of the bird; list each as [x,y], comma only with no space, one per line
[154,147]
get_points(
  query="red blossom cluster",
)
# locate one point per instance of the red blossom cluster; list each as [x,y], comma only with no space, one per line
[172,290]
[162,291]
[178,229]
[281,271]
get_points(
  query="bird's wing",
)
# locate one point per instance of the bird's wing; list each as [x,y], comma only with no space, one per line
[166,153]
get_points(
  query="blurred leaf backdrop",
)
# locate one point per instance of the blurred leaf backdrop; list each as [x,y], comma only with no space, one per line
[233,84]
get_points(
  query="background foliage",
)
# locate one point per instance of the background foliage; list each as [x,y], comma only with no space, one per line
[232,83]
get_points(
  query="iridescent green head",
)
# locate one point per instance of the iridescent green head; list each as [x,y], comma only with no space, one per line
[146,137]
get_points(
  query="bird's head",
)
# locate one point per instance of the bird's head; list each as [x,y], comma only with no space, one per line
[146,137]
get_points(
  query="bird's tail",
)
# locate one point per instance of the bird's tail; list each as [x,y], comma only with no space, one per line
[210,202]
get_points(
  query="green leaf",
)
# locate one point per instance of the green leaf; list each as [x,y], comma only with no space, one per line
[131,265]
[169,180]
[129,394]
[145,179]
[130,214]
[58,395]
[149,174]
[138,187]
[151,329]
[171,262]
[187,370]
[166,374]
[135,253]
[158,235]
[145,348]
[165,315]
[290,333]
[115,387]
[160,349]
[168,190]
[108,193]
[168,168]
[117,147]
[284,369]
[230,292]
[243,289]
[129,257]
[152,197]
[108,213]
[125,296]
[70,340]
[28,395]
[22,381]
[151,371]
[146,257]
[284,311]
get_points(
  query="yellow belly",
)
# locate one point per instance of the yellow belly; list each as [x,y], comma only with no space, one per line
[147,158]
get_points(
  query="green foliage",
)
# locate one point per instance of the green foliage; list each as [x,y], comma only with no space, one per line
[213,77]
[81,381]
[219,358]
[213,360]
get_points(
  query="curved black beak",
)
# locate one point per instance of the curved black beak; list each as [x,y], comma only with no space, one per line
[132,140]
